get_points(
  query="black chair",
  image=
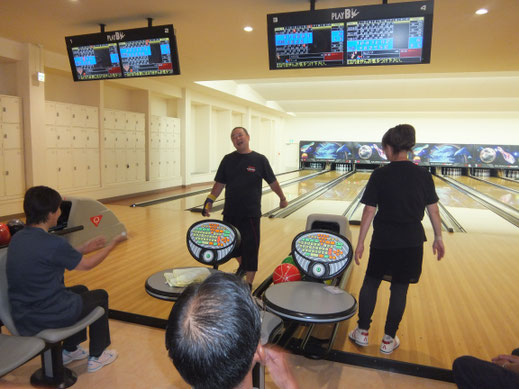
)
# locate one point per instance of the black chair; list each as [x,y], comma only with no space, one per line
[52,372]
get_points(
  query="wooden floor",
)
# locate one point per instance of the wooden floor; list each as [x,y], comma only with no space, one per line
[144,363]
[466,304]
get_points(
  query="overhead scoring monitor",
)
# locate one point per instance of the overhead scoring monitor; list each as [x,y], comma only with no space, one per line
[139,52]
[388,34]
[212,242]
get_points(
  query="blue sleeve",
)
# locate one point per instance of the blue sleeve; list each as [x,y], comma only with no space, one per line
[66,255]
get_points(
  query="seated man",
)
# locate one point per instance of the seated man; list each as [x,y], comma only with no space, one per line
[36,263]
[213,337]
[474,373]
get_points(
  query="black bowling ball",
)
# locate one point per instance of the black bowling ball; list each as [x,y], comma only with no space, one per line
[15,225]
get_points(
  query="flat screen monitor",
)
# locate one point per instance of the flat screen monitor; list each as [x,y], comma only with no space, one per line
[450,154]
[496,156]
[388,34]
[139,52]
[315,151]
[369,153]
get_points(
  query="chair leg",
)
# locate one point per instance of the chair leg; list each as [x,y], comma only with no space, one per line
[52,372]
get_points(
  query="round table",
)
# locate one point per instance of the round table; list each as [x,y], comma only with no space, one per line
[310,302]
[157,286]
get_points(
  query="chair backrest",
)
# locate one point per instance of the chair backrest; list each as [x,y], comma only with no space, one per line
[325,221]
[5,307]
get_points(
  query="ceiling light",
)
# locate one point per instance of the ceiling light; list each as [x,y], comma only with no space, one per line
[248,28]
[482,11]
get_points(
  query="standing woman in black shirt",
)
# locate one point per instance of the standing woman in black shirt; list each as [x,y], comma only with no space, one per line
[401,191]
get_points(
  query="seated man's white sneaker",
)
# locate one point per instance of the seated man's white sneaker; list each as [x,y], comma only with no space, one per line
[76,355]
[107,357]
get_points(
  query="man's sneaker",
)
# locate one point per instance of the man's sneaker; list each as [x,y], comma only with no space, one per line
[359,336]
[107,357]
[389,344]
[76,355]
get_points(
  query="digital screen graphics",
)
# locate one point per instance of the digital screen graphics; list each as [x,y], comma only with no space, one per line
[96,62]
[321,254]
[148,57]
[212,241]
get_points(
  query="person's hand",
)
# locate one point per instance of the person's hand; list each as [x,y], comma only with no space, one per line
[276,363]
[93,244]
[283,203]
[208,205]
[509,362]
[119,238]
[438,248]
[359,250]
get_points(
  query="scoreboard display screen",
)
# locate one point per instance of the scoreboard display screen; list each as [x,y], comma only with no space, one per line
[321,254]
[212,241]
[97,62]
[387,34]
[147,57]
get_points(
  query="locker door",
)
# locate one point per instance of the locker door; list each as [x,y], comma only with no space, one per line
[65,169]
[77,116]
[109,119]
[52,168]
[92,167]
[120,120]
[63,114]
[140,122]
[50,112]
[92,138]
[109,169]
[64,137]
[154,164]
[131,118]
[131,161]
[78,137]
[92,117]
[11,136]
[109,139]
[140,141]
[140,165]
[14,179]
[51,137]
[11,107]
[79,170]
[121,165]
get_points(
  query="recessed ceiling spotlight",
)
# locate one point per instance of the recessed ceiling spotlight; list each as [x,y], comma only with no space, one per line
[482,11]
[248,28]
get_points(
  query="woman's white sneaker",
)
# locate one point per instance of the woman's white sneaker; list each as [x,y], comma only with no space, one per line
[389,344]
[359,336]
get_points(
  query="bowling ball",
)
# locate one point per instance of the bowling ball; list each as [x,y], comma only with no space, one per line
[5,235]
[365,152]
[289,259]
[15,225]
[304,156]
[286,272]
[487,155]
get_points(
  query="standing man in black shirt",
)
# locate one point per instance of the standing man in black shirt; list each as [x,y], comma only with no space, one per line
[401,191]
[241,173]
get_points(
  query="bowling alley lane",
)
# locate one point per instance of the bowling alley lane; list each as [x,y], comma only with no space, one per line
[472,216]
[198,200]
[503,182]
[335,200]
[508,197]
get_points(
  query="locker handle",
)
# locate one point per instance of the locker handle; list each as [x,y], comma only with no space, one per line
[7,172]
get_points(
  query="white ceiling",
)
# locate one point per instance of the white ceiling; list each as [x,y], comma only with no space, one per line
[474,61]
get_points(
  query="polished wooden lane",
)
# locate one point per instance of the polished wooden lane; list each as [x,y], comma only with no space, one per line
[505,196]
[466,304]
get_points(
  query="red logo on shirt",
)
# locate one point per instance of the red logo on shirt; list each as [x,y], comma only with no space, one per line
[251,169]
[96,219]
